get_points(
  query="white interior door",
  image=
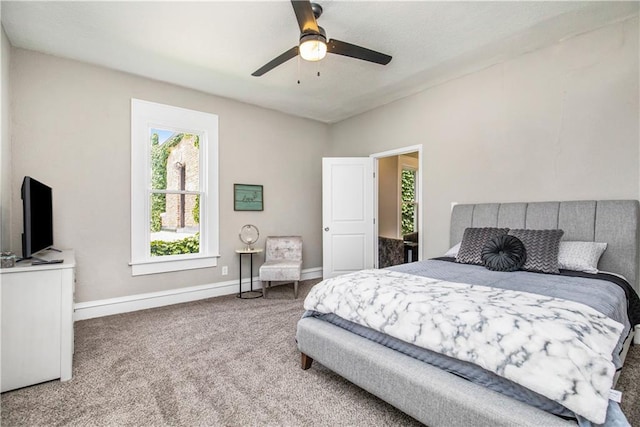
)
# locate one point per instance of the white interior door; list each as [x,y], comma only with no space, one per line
[347,215]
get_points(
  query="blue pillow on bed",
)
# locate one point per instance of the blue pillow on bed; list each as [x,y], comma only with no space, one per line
[504,253]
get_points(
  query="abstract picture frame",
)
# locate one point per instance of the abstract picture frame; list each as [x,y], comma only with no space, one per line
[248,197]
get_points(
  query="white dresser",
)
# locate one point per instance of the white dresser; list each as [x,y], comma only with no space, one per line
[37,321]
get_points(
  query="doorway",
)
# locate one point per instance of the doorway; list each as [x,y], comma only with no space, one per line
[398,206]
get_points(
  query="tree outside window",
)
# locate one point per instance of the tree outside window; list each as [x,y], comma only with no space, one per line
[409,205]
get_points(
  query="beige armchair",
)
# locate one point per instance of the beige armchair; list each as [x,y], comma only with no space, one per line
[283,262]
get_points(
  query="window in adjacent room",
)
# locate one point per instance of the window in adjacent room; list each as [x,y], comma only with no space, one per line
[409,203]
[174,188]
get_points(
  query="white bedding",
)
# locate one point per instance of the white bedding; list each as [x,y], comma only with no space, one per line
[558,348]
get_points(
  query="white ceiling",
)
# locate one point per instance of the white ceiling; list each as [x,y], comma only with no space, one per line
[214,46]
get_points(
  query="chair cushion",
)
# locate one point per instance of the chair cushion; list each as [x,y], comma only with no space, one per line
[281,270]
[283,248]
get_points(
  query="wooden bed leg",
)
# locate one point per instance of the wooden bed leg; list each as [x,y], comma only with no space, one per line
[306,361]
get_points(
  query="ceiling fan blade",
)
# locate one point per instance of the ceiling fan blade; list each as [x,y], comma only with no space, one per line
[304,15]
[347,49]
[291,53]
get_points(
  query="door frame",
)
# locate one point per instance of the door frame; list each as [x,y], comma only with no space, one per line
[391,153]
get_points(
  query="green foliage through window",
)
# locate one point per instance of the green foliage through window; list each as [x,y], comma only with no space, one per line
[196,210]
[408,189]
[188,245]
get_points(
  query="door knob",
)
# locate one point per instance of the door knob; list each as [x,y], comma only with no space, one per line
[326,229]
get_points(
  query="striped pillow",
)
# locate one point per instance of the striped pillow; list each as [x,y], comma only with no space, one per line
[473,240]
[542,248]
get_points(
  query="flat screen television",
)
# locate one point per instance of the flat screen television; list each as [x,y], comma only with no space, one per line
[37,208]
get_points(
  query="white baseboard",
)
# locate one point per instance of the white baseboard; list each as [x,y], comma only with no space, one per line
[107,307]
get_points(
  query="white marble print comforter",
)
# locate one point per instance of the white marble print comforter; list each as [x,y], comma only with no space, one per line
[557,348]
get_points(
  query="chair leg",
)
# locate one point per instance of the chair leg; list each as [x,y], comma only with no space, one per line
[264,289]
[295,289]
[305,361]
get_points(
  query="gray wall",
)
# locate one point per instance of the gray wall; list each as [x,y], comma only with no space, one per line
[559,123]
[5,144]
[71,130]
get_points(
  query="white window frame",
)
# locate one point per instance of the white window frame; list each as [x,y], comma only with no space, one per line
[144,116]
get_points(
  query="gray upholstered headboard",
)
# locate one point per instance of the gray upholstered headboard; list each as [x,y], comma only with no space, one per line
[615,222]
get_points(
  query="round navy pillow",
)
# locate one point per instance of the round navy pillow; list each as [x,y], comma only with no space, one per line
[504,253]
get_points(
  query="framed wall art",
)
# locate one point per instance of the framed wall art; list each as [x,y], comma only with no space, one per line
[248,197]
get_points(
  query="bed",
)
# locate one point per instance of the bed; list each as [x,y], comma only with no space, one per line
[437,397]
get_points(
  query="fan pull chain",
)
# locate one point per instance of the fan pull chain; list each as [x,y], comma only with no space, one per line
[298,69]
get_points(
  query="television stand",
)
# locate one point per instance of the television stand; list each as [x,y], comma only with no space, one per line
[37,322]
[53,249]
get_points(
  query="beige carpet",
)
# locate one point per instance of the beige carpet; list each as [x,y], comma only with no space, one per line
[221,361]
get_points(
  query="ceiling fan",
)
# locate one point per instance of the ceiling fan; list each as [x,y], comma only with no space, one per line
[313,45]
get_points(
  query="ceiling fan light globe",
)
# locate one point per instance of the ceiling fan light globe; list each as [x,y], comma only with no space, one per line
[313,47]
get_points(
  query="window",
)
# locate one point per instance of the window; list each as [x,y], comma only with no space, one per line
[408,194]
[174,188]
[409,209]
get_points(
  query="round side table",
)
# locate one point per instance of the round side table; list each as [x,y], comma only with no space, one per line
[250,294]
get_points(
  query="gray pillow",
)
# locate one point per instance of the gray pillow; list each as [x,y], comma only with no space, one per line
[542,248]
[473,240]
[580,256]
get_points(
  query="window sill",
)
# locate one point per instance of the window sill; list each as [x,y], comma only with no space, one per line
[140,268]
